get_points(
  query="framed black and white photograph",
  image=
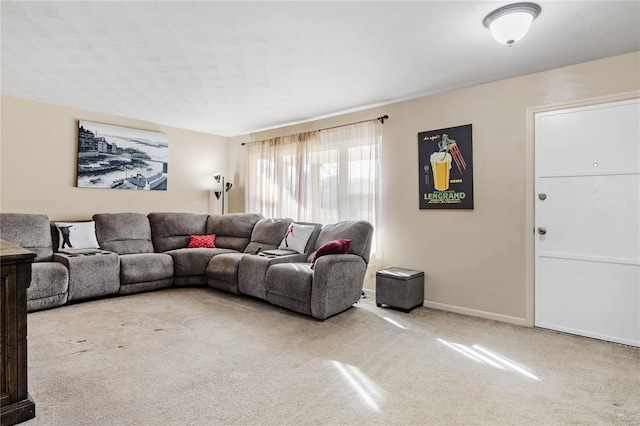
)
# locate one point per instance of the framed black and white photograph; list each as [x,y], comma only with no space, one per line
[121,158]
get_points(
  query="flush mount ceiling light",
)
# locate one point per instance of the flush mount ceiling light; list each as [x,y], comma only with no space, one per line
[510,23]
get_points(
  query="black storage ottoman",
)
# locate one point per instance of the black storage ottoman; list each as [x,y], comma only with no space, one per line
[400,288]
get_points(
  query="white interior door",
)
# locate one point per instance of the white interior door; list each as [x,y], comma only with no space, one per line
[587,216]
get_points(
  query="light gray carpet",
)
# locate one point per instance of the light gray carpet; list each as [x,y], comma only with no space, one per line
[195,356]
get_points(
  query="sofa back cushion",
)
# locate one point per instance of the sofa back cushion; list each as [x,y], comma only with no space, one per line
[123,233]
[267,234]
[29,231]
[360,232]
[233,231]
[170,231]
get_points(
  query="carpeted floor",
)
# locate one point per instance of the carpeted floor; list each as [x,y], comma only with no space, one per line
[195,356]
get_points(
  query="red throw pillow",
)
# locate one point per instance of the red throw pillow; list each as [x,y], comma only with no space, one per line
[202,241]
[331,247]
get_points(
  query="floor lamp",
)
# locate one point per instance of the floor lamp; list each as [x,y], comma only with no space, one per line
[223,188]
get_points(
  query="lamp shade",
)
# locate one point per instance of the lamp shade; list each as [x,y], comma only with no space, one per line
[510,23]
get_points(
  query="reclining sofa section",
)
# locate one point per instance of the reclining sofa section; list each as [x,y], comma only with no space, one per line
[49,279]
[149,252]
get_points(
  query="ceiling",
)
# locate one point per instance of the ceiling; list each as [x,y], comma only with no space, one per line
[231,68]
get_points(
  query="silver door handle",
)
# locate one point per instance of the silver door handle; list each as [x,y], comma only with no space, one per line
[542,231]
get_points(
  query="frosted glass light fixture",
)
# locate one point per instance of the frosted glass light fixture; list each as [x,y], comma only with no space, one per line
[510,23]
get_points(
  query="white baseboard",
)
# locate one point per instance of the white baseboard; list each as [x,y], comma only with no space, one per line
[477,313]
[466,311]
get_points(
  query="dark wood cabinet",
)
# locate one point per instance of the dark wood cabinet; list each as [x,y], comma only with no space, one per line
[16,404]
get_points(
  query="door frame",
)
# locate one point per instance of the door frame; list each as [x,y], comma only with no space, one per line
[529,190]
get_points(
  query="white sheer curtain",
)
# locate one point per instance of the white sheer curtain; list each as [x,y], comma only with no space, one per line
[324,176]
[276,176]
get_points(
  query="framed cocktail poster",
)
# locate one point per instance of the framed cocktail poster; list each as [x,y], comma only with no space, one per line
[446,168]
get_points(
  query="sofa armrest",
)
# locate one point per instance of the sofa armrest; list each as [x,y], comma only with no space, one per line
[337,284]
[78,257]
[92,273]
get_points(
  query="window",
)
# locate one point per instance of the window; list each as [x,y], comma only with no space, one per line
[324,176]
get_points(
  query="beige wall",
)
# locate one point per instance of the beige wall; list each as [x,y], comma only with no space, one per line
[475,261]
[38,175]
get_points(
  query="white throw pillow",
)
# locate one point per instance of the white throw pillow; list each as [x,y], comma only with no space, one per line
[77,235]
[297,237]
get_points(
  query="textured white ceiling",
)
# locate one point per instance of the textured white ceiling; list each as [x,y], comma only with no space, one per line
[231,68]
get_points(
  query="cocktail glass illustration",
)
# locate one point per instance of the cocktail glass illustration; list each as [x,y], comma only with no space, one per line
[441,166]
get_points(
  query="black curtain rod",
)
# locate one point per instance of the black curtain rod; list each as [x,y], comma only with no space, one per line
[380,119]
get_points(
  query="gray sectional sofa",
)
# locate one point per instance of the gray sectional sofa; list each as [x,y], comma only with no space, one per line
[140,252]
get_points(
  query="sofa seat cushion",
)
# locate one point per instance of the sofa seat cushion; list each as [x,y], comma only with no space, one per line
[194,261]
[252,272]
[225,267]
[48,279]
[292,280]
[145,267]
